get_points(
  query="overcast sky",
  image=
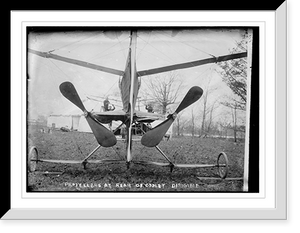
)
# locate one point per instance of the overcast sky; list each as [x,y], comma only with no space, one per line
[155,48]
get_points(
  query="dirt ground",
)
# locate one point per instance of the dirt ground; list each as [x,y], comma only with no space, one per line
[74,145]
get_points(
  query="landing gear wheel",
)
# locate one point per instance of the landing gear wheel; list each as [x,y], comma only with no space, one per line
[222,165]
[32,159]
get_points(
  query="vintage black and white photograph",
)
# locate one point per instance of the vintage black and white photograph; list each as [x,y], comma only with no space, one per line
[138,109]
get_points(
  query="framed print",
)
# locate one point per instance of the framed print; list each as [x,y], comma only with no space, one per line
[128,116]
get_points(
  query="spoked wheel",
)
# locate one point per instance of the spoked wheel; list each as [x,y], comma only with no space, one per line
[32,159]
[222,165]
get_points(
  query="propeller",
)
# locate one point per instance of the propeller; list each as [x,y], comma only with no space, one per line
[103,136]
[154,136]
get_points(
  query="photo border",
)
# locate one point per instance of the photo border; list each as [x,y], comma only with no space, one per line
[252,174]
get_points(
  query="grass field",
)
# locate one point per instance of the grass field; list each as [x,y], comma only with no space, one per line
[138,178]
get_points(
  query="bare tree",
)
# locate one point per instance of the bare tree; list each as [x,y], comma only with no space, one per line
[234,121]
[237,123]
[204,113]
[165,89]
[191,123]
[179,124]
[210,112]
[234,73]
[206,109]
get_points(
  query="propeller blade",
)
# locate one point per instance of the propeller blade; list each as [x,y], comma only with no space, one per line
[154,136]
[103,136]
[68,90]
[192,96]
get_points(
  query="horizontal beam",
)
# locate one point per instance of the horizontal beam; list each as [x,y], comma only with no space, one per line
[218,178]
[192,64]
[58,161]
[107,161]
[136,162]
[178,165]
[79,161]
[77,62]
[198,165]
[151,163]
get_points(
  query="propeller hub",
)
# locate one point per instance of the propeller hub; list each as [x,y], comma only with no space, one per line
[174,115]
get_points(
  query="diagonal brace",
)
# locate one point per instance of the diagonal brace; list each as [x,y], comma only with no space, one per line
[84,161]
[166,157]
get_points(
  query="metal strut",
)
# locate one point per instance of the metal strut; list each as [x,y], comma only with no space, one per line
[166,157]
[84,161]
[171,164]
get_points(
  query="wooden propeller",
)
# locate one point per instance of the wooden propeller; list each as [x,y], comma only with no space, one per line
[154,136]
[103,136]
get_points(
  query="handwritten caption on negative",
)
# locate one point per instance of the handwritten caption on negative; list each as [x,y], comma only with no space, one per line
[130,186]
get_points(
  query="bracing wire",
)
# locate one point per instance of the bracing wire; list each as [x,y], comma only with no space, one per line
[141,50]
[122,49]
[106,55]
[77,41]
[111,87]
[84,92]
[178,52]
[175,50]
[165,43]
[170,59]
[74,141]
[182,42]
[154,55]
[108,48]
